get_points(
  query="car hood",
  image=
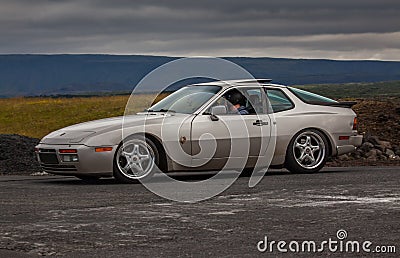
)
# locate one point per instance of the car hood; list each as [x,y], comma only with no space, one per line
[76,133]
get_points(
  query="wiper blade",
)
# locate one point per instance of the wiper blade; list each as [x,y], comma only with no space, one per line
[161,110]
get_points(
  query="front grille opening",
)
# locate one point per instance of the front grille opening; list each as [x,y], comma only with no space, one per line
[47,150]
[48,158]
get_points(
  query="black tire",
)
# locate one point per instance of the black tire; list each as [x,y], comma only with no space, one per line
[132,175]
[246,172]
[303,156]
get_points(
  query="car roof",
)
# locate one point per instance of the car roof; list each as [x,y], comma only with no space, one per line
[242,82]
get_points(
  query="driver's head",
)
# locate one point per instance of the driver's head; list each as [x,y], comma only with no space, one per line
[235,97]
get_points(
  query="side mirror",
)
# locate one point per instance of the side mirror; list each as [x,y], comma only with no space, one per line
[218,110]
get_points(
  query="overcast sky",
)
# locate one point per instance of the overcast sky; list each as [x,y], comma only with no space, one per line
[334,29]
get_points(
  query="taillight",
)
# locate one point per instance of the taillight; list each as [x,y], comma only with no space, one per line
[355,123]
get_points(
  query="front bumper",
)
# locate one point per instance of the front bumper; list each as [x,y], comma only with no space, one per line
[90,162]
[353,142]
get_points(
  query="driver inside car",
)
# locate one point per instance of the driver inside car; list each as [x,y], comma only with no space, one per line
[236,103]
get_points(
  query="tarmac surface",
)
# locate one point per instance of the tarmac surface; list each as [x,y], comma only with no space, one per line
[54,215]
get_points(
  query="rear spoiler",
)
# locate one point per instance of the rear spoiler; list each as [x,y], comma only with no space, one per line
[344,104]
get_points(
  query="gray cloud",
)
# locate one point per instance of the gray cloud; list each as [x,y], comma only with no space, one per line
[357,29]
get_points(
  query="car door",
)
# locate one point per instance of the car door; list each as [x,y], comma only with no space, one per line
[231,135]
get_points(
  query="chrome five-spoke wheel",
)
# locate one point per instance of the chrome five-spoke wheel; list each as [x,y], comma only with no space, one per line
[307,152]
[135,160]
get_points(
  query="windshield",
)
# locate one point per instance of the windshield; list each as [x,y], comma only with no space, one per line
[186,100]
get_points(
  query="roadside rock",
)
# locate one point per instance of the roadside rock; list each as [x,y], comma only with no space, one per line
[372,139]
[371,154]
[343,157]
[389,153]
[381,148]
[17,154]
[385,144]
[366,146]
[384,118]
[373,151]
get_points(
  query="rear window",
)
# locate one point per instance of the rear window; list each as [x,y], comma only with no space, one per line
[311,98]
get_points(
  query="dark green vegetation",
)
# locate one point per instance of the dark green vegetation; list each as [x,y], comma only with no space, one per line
[355,90]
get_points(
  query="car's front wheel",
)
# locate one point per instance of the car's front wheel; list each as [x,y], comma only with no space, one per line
[135,160]
[307,152]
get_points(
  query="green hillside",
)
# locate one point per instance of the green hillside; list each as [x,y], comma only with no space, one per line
[355,90]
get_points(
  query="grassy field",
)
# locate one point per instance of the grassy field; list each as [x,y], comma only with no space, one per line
[36,117]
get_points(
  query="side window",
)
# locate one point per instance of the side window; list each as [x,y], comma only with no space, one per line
[278,100]
[255,101]
[243,101]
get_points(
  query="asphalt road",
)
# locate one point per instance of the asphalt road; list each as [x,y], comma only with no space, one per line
[51,215]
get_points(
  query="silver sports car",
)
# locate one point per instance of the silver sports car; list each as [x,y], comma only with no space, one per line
[204,126]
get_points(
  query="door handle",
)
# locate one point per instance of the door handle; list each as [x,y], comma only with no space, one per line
[260,123]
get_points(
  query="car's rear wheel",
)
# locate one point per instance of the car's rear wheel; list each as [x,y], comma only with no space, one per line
[135,160]
[307,152]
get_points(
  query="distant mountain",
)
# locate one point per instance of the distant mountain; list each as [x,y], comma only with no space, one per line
[31,75]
